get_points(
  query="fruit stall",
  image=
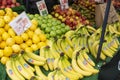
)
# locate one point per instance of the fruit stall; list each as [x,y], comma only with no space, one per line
[62,43]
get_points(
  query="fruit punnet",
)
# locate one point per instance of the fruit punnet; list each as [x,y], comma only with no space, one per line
[11,43]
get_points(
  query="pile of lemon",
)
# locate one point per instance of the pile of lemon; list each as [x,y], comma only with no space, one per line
[31,40]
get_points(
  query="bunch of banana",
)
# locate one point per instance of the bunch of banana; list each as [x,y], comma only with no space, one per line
[66,68]
[48,53]
[115,28]
[109,48]
[18,69]
[40,73]
[57,75]
[82,63]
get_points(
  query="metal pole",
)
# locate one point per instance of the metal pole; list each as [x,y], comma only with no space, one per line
[103,28]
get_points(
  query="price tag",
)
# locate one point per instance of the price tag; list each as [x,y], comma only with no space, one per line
[20,24]
[99,1]
[42,7]
[64,4]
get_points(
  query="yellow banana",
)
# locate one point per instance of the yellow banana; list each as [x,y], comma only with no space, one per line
[89,60]
[75,42]
[54,52]
[83,65]
[58,47]
[22,70]
[35,57]
[51,75]
[10,71]
[90,29]
[32,61]
[56,63]
[69,68]
[26,67]
[40,73]
[67,74]
[66,48]
[15,70]
[42,51]
[77,68]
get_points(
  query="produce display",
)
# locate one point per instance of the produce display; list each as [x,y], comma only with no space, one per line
[11,43]
[86,8]
[62,45]
[8,3]
[69,16]
[50,26]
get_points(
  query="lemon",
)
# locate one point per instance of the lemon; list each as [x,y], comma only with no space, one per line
[11,32]
[34,47]
[6,27]
[30,33]
[29,42]
[16,48]
[35,22]
[8,9]
[23,46]
[2,22]
[33,27]
[42,37]
[0,38]
[15,14]
[1,17]
[4,60]
[5,36]
[35,39]
[18,39]
[7,19]
[25,36]
[41,44]
[2,44]
[1,53]
[38,31]
[28,49]
[9,14]
[1,31]
[8,51]
[2,12]
[10,41]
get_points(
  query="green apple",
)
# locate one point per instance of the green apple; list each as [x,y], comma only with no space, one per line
[49,16]
[37,15]
[52,33]
[47,29]
[43,26]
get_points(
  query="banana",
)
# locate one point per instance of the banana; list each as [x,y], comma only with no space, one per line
[58,47]
[66,48]
[112,30]
[40,73]
[15,70]
[51,75]
[89,60]
[49,63]
[75,42]
[10,71]
[35,57]
[56,77]
[80,61]
[42,51]
[85,43]
[22,70]
[32,61]
[25,65]
[90,29]
[54,52]
[77,68]
[68,67]
[56,63]
[67,74]
[36,78]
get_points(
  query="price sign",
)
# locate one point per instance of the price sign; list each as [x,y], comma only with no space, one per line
[99,1]
[20,24]
[64,4]
[42,7]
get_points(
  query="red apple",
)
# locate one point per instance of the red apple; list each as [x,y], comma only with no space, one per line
[2,7]
[14,1]
[12,5]
[4,2]
[8,6]
[9,2]
[17,4]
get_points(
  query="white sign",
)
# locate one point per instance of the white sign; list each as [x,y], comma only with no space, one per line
[42,7]
[64,4]
[20,24]
[99,1]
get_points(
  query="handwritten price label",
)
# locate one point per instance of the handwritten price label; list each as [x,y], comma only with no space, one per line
[20,24]
[42,7]
[64,4]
